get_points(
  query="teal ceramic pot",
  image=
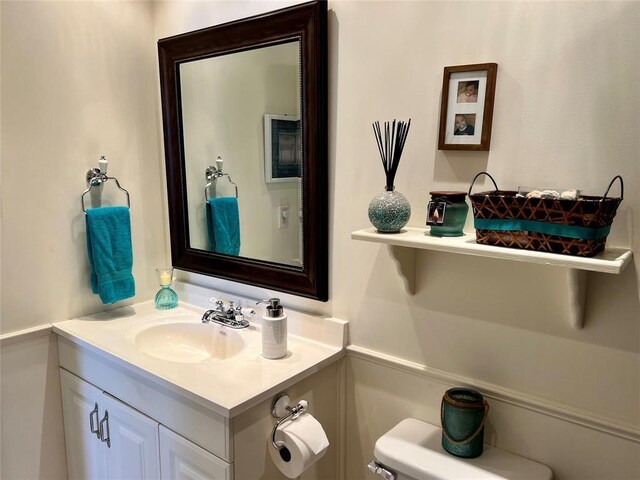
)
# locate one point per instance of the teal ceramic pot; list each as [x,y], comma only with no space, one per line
[455,213]
[463,415]
[389,211]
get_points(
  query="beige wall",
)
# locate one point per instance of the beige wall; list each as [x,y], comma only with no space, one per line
[493,323]
[77,82]
[565,115]
[496,322]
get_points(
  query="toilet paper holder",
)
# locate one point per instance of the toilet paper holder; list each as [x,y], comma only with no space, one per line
[282,410]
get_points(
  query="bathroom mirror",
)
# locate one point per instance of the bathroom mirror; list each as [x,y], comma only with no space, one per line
[245,130]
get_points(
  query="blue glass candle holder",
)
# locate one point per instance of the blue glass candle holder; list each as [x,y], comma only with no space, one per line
[166,298]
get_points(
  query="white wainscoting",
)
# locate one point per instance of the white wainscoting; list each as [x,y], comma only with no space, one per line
[381,390]
[32,438]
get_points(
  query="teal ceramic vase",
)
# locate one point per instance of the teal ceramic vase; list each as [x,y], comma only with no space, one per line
[389,211]
[463,415]
[451,210]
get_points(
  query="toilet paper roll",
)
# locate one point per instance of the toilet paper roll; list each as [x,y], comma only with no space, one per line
[305,442]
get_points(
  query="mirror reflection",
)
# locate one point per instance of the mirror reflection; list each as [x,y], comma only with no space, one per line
[254,93]
[242,147]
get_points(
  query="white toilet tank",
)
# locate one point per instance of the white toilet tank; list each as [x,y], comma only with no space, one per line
[412,450]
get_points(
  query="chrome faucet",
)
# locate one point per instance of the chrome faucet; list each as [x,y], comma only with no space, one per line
[231,316]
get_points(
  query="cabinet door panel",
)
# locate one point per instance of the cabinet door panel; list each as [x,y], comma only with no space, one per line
[133,453]
[86,455]
[181,459]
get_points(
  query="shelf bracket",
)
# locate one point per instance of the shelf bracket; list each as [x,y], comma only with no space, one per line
[611,260]
[577,289]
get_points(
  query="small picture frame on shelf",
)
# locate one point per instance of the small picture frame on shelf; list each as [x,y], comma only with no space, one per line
[282,148]
[466,112]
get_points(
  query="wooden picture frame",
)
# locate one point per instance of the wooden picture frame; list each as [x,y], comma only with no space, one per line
[466,111]
[282,148]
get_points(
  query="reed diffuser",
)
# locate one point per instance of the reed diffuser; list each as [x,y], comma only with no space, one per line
[390,211]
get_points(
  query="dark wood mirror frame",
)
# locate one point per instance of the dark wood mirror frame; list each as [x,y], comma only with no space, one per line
[308,22]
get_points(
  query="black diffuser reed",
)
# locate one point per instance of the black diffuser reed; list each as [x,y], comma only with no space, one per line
[395,134]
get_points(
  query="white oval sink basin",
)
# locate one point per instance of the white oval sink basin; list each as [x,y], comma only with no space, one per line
[187,342]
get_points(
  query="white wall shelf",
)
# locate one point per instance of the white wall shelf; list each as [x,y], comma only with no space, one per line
[612,260]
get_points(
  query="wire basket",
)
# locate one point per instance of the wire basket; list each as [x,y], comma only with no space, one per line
[570,227]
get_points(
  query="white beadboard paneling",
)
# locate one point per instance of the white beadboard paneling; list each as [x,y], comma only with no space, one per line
[32,438]
[566,413]
[380,394]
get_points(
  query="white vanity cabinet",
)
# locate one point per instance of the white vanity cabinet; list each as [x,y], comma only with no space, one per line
[107,439]
[132,441]
[188,420]
[181,459]
[86,453]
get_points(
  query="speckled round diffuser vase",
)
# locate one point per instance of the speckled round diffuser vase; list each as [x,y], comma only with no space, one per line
[390,211]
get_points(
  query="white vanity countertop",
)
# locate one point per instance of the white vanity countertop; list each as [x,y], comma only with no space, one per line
[228,386]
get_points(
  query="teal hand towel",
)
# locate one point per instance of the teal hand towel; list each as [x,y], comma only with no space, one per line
[223,225]
[110,253]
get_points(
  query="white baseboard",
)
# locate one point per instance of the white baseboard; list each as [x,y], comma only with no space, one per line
[24,335]
[552,409]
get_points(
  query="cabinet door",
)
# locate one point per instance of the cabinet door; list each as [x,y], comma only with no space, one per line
[133,452]
[181,459]
[86,456]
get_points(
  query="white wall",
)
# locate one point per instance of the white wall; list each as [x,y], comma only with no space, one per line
[77,83]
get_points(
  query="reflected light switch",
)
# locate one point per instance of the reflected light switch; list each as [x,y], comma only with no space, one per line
[283,217]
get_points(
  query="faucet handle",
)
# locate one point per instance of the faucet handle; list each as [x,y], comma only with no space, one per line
[218,303]
[247,311]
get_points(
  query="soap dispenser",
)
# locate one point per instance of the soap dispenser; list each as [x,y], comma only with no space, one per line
[274,330]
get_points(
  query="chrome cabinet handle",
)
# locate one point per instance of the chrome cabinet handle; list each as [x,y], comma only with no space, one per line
[94,429]
[105,422]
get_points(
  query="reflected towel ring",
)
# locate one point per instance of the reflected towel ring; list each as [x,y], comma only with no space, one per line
[213,173]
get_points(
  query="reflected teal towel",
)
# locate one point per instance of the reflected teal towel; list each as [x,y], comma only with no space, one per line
[110,253]
[223,225]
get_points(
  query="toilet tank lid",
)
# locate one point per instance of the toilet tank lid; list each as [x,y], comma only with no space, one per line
[414,448]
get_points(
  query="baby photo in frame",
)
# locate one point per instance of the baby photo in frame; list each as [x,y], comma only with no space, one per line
[466,112]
